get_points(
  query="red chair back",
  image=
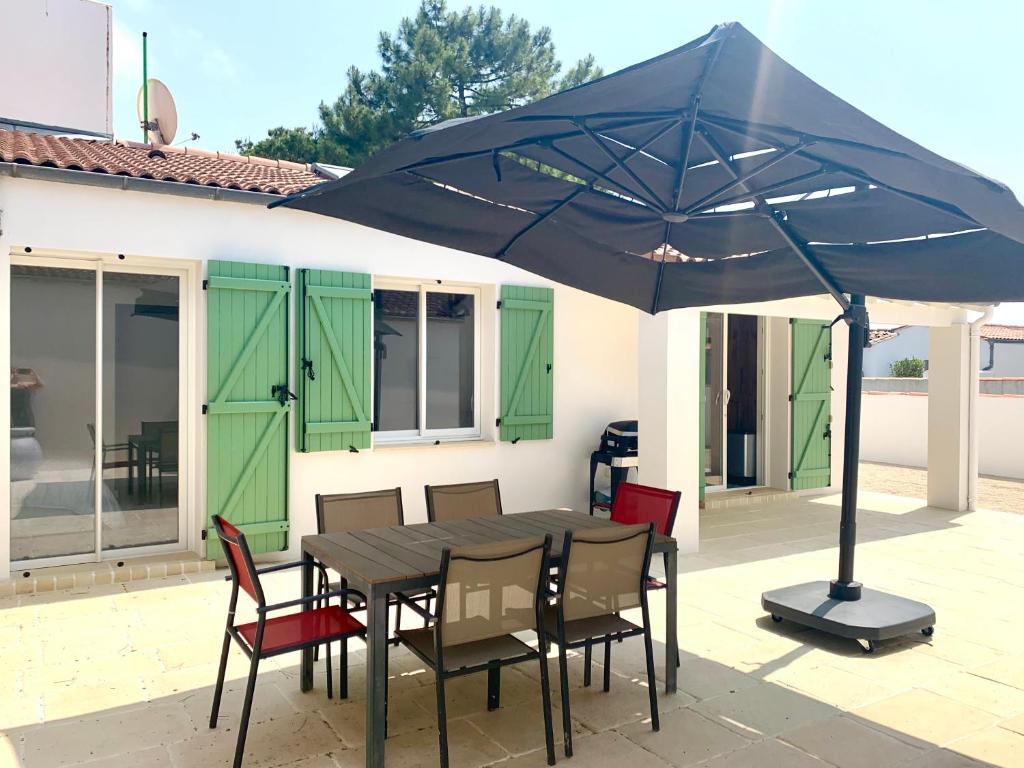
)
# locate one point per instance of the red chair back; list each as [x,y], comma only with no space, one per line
[643,504]
[243,571]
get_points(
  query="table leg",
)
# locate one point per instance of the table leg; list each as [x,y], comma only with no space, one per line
[306,665]
[376,675]
[131,469]
[671,629]
[141,452]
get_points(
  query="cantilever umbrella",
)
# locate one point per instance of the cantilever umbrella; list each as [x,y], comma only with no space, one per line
[713,174]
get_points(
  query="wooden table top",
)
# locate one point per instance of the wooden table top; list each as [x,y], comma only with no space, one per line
[408,556]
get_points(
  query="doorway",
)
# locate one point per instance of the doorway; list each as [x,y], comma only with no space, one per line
[733,381]
[96,392]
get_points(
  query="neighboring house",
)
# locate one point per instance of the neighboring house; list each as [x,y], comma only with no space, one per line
[1001,349]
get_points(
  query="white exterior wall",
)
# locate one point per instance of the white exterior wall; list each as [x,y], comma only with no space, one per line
[595,374]
[913,342]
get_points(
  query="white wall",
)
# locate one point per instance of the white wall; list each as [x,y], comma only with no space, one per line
[894,430]
[595,374]
[911,342]
[1009,360]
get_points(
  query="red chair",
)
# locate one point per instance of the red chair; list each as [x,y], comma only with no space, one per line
[265,637]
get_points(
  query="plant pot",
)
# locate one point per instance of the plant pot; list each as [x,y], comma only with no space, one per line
[26,453]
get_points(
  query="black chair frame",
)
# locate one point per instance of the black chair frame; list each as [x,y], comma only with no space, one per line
[587,643]
[493,668]
[255,653]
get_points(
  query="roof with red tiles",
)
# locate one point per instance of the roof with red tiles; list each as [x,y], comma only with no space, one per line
[1003,332]
[187,165]
[876,335]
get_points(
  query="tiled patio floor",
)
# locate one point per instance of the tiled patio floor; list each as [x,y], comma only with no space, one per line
[121,675]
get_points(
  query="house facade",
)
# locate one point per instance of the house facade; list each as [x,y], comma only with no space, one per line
[202,354]
[1000,350]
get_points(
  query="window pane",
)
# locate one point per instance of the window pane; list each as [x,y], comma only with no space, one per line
[396,351]
[53,412]
[450,370]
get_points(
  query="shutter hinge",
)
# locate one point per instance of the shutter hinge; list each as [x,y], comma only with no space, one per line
[203,534]
[790,475]
[499,303]
[497,422]
[206,409]
[206,284]
[549,367]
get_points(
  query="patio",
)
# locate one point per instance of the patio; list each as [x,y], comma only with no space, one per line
[97,675]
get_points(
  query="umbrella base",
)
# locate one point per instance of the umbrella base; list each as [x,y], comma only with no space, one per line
[875,616]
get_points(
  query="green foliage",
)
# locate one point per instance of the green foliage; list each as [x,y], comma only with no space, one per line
[439,65]
[907,368]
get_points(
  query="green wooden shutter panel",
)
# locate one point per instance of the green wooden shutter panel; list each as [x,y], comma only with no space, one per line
[811,404]
[247,424]
[527,363]
[333,348]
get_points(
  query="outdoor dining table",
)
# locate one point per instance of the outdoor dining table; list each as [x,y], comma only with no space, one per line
[379,561]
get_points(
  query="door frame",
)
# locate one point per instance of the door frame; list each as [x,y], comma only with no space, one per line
[188,273]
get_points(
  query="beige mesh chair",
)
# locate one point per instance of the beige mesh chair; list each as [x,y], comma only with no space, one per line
[486,593]
[462,501]
[604,572]
[347,512]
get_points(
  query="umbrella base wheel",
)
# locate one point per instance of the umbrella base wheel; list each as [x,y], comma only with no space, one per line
[876,616]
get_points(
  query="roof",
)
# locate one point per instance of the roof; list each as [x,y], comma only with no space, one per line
[1000,332]
[187,165]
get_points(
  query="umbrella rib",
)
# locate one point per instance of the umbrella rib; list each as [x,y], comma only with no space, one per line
[540,220]
[656,202]
[741,179]
[802,252]
[823,171]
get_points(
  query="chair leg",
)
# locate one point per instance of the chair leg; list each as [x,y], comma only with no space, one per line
[563,675]
[588,657]
[398,616]
[545,694]
[330,678]
[607,664]
[343,669]
[220,679]
[426,621]
[652,684]
[243,726]
[321,587]
[442,721]
[493,688]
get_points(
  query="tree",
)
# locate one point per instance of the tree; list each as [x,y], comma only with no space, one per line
[439,65]
[907,368]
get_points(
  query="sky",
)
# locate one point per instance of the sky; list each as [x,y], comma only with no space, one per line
[945,73]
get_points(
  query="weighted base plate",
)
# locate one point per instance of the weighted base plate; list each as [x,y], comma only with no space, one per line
[876,616]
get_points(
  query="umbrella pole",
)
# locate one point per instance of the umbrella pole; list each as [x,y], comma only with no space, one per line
[844,587]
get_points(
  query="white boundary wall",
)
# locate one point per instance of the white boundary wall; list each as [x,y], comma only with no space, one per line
[894,430]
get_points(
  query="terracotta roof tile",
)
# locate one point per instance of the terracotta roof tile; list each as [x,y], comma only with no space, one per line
[188,165]
[1002,332]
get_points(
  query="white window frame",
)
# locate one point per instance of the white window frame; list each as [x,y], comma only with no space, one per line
[422,434]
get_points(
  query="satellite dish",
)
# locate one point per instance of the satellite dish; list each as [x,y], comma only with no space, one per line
[163,116]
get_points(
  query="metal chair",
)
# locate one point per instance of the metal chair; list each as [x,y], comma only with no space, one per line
[346,512]
[463,500]
[265,637]
[634,503]
[486,593]
[603,572]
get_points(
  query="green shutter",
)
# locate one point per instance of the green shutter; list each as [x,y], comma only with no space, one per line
[702,449]
[247,422]
[811,404]
[333,351]
[527,360]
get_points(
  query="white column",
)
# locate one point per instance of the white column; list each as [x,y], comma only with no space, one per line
[669,413]
[5,409]
[948,405]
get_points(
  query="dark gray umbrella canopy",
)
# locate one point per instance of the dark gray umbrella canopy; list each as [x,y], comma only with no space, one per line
[751,174]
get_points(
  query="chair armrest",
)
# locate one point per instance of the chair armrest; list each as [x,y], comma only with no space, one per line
[283,566]
[305,600]
[415,607]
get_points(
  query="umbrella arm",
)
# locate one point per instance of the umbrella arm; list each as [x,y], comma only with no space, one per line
[844,587]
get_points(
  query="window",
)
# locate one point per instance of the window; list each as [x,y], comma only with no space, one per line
[426,361]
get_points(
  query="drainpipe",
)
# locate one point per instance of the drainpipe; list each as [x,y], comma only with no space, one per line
[974,353]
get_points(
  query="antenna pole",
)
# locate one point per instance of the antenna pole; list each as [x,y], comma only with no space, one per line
[145,92]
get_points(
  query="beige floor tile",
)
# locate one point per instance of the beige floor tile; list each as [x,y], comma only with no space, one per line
[994,746]
[943,758]
[70,701]
[154,757]
[685,738]
[766,753]
[124,731]
[764,710]
[994,697]
[847,743]
[295,737]
[703,678]
[348,718]
[925,716]
[267,703]
[467,748]
[833,686]
[519,728]
[1009,671]
[602,750]
[1015,724]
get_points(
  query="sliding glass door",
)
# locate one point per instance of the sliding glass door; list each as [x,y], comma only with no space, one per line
[95,403]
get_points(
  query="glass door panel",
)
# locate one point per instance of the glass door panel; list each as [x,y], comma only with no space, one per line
[140,410]
[53,408]
[716,398]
